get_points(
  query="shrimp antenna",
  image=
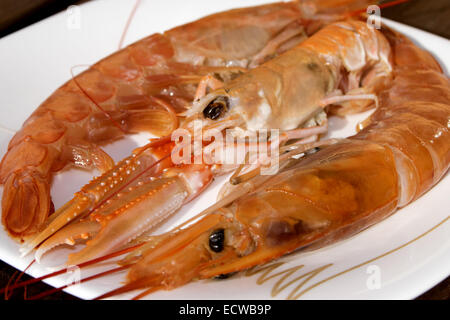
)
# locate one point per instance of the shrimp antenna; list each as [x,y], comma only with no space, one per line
[381,6]
[8,293]
[287,152]
[127,25]
[81,265]
[55,290]
[92,100]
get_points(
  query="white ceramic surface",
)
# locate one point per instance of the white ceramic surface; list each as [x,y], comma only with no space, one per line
[408,253]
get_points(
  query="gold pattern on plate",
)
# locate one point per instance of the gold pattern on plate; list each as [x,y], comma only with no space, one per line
[301,280]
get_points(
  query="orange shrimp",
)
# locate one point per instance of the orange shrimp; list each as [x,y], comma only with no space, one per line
[139,88]
[146,188]
[345,187]
[400,152]
[327,195]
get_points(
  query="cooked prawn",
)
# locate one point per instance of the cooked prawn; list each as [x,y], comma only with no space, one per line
[113,208]
[402,151]
[139,88]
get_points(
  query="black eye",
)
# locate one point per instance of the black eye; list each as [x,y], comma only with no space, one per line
[216,108]
[216,240]
[224,276]
[313,150]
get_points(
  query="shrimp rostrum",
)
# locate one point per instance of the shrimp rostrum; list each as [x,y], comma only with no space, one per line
[188,63]
[139,88]
[343,188]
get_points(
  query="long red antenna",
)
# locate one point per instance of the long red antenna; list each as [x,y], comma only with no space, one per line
[138,284]
[147,292]
[92,99]
[122,38]
[6,289]
[381,6]
[81,265]
[52,291]
[127,25]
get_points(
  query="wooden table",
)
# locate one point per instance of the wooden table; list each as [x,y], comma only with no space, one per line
[429,15]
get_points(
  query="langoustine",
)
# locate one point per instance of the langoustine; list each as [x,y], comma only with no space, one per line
[145,188]
[325,196]
[372,174]
[401,152]
[139,88]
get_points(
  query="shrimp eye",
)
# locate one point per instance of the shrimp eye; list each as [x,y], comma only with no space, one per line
[224,275]
[313,150]
[216,240]
[216,108]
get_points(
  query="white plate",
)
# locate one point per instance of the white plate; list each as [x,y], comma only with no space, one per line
[399,258]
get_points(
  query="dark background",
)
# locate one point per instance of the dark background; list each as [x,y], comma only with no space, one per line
[429,15]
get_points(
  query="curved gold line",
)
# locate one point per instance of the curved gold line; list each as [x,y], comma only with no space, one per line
[279,286]
[311,274]
[373,259]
